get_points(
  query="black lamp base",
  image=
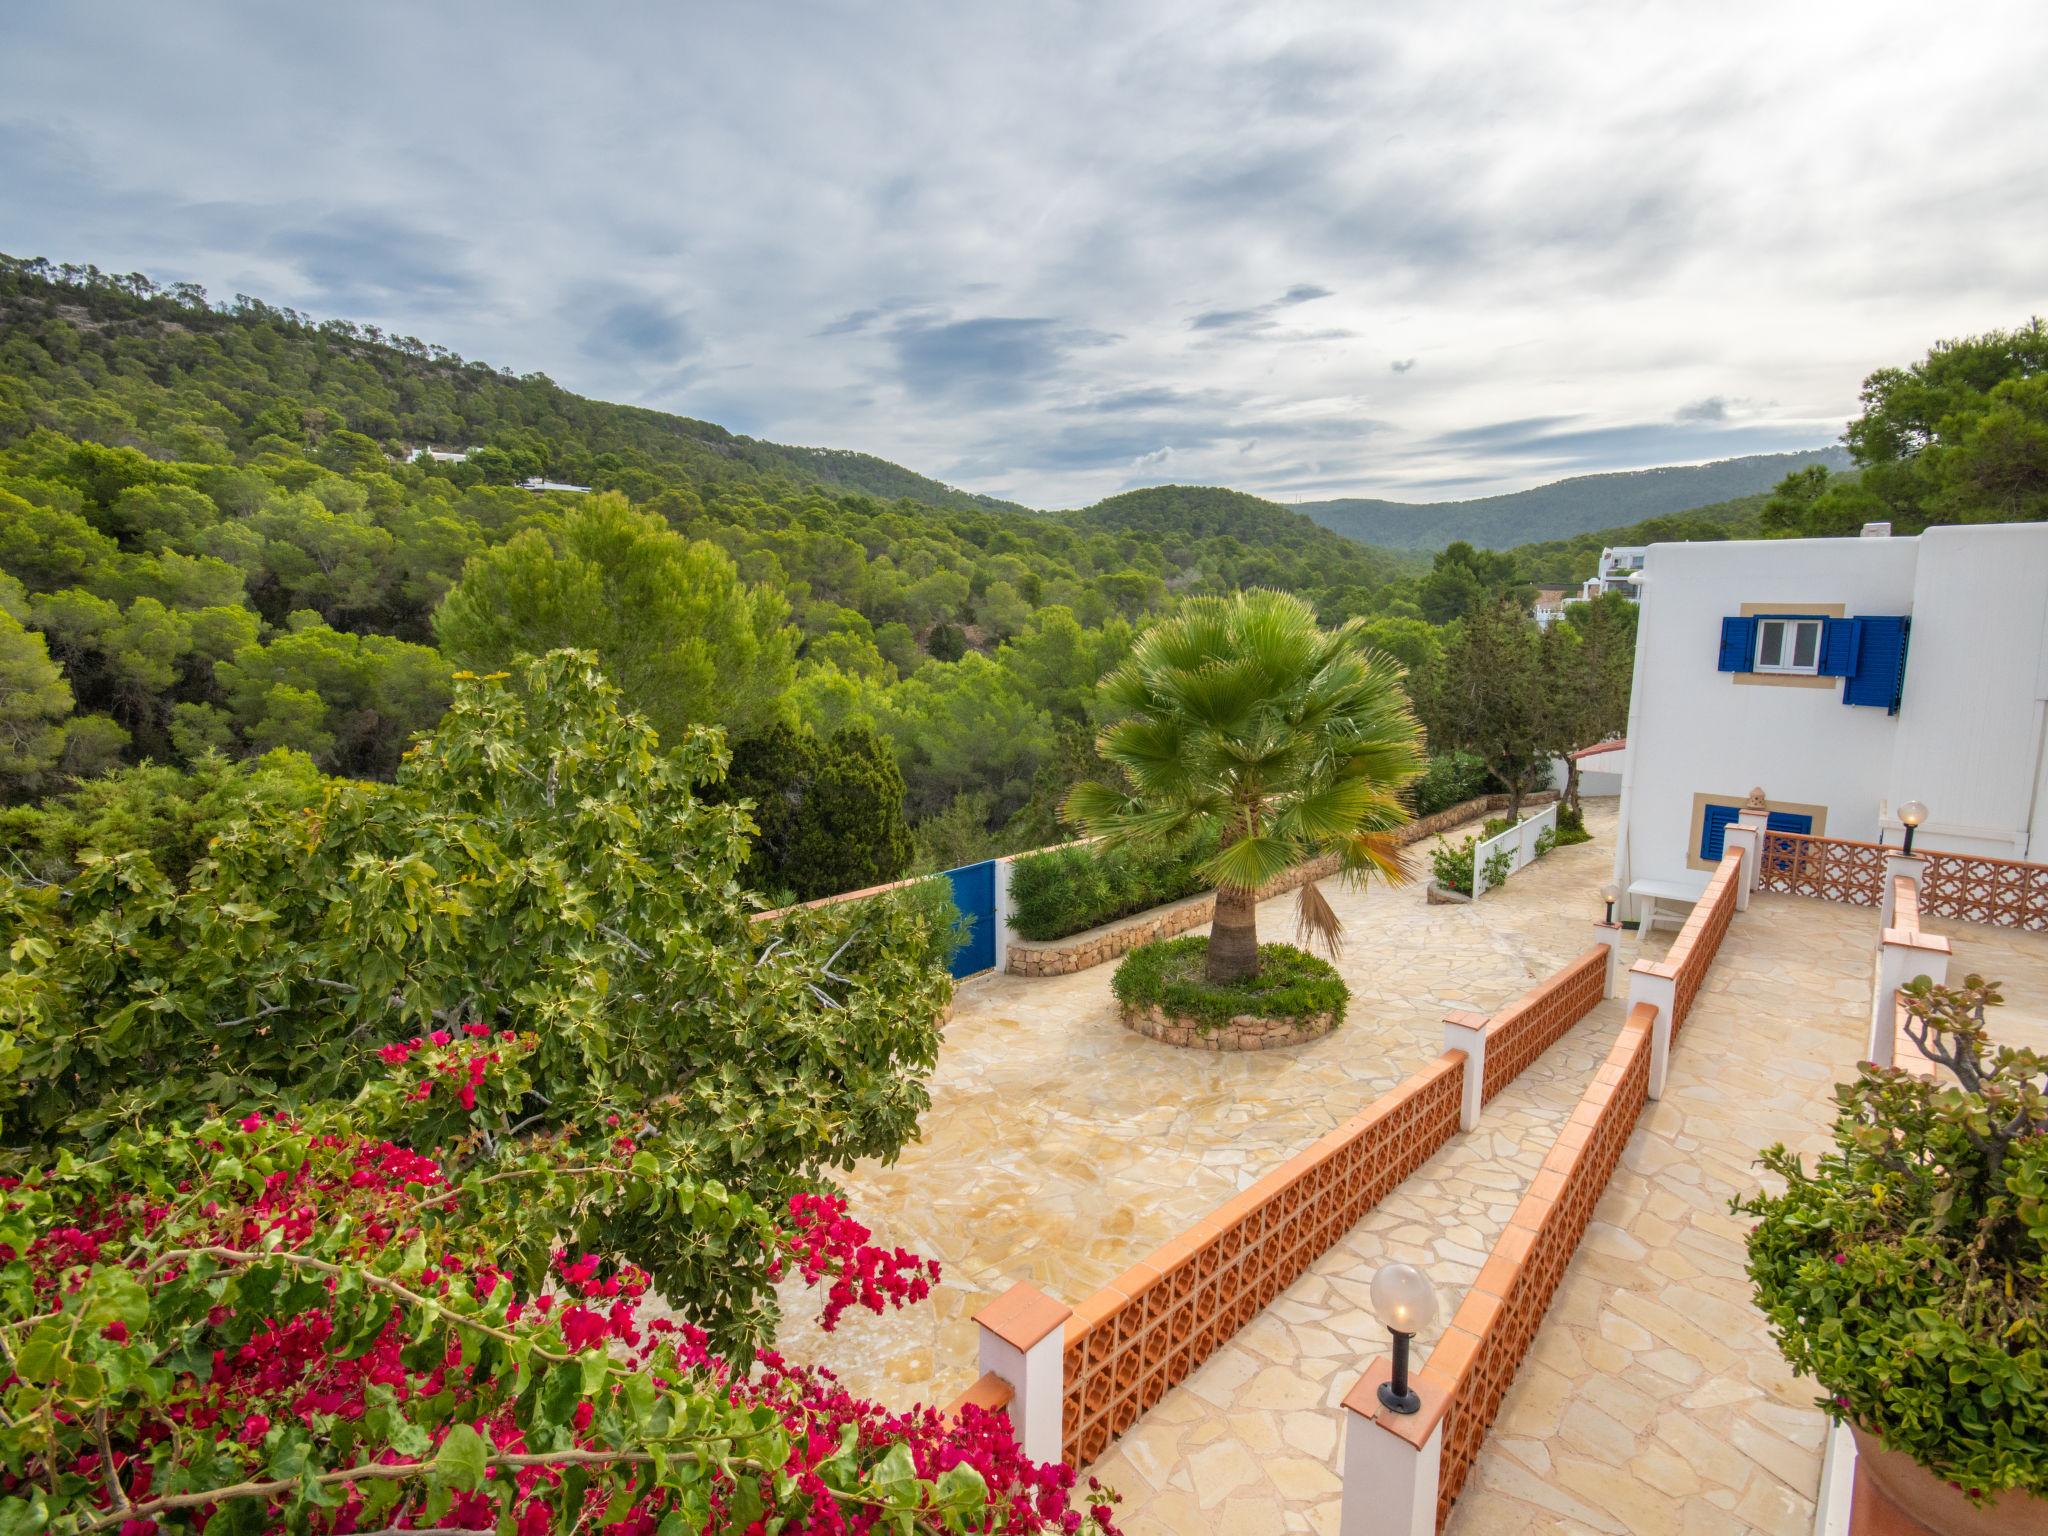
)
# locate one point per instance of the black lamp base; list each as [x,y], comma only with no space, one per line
[1398,1402]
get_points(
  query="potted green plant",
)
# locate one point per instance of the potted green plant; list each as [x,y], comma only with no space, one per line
[1906,1275]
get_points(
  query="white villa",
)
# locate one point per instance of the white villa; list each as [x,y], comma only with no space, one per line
[1845,678]
[1616,571]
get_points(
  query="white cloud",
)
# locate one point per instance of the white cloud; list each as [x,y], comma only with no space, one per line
[1054,250]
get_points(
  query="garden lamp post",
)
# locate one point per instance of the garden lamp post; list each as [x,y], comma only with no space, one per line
[1912,813]
[1610,893]
[1404,1300]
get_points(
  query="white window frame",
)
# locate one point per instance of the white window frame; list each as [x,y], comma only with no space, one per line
[1788,646]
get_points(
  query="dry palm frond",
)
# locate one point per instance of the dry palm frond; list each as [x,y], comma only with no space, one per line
[1387,858]
[1316,920]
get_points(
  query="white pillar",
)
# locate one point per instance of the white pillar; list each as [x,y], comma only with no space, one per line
[1608,936]
[1024,1341]
[1757,822]
[1656,984]
[1467,1032]
[1901,958]
[1002,917]
[1914,868]
[1392,1461]
[1749,840]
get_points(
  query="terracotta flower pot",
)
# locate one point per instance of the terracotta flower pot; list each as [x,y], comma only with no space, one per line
[1896,1496]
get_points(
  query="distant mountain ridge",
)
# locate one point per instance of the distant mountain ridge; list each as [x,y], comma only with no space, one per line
[1581,504]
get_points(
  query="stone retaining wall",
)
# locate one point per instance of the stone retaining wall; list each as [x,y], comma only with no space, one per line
[1246,1032]
[1093,946]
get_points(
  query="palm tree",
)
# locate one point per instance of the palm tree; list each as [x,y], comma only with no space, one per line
[1292,741]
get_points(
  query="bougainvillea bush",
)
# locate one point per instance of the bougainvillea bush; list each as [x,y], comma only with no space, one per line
[296,1322]
[542,864]
[1907,1273]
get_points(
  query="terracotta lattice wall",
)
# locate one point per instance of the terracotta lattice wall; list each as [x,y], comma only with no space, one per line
[1533,1022]
[2008,893]
[1480,1351]
[1830,868]
[1139,1336]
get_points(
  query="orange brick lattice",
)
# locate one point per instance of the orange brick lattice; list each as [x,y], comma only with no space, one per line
[1534,1022]
[1481,1350]
[2006,893]
[1831,868]
[2009,893]
[1139,1337]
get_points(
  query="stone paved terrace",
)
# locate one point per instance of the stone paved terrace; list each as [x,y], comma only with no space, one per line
[1061,1147]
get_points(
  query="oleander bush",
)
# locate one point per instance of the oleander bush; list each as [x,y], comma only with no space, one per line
[1450,864]
[1451,779]
[1907,1272]
[1168,974]
[1069,890]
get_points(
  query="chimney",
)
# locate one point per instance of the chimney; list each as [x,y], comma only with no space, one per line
[1877,530]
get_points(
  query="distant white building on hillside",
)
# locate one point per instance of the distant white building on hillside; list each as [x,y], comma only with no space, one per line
[1549,605]
[1616,571]
[1843,677]
[535,483]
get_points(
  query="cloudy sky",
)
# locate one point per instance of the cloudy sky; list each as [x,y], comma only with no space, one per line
[1054,251]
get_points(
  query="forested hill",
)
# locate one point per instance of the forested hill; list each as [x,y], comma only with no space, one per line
[1176,513]
[216,538]
[405,392]
[1565,507]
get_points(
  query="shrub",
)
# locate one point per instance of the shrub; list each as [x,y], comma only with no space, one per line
[1545,841]
[1498,865]
[295,1323]
[1451,779]
[1068,890]
[1290,984]
[541,864]
[1451,865]
[1494,826]
[1908,1273]
[1571,825]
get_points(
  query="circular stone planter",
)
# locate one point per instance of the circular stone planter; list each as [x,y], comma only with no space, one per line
[1896,1496]
[1245,1032]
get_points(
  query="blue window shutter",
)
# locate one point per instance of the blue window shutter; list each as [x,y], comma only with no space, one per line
[1838,646]
[1789,821]
[1880,676]
[1738,644]
[1714,830]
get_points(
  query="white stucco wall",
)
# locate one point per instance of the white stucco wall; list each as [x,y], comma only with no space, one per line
[1967,740]
[1976,676]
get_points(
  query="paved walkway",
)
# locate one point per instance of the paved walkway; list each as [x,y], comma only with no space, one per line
[1061,1147]
[1654,1400]
[1250,1443]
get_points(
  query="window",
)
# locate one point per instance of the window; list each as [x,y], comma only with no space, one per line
[1788,645]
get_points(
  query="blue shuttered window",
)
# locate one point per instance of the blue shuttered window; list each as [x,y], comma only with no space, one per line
[1719,818]
[1879,680]
[1738,644]
[1868,651]
[1839,645]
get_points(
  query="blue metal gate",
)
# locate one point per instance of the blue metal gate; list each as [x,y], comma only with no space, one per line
[974,893]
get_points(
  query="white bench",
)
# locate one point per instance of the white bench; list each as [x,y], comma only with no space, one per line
[1656,893]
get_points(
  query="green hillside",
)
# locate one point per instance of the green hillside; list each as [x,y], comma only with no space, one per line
[1565,507]
[213,539]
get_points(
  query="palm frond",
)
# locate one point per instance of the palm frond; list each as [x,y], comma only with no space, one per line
[1315,920]
[1250,862]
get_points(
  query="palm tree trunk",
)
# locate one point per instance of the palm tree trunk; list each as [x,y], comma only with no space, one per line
[1233,938]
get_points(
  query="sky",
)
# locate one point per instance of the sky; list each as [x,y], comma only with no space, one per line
[1050,252]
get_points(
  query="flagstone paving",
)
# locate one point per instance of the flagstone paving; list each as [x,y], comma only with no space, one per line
[1061,1147]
